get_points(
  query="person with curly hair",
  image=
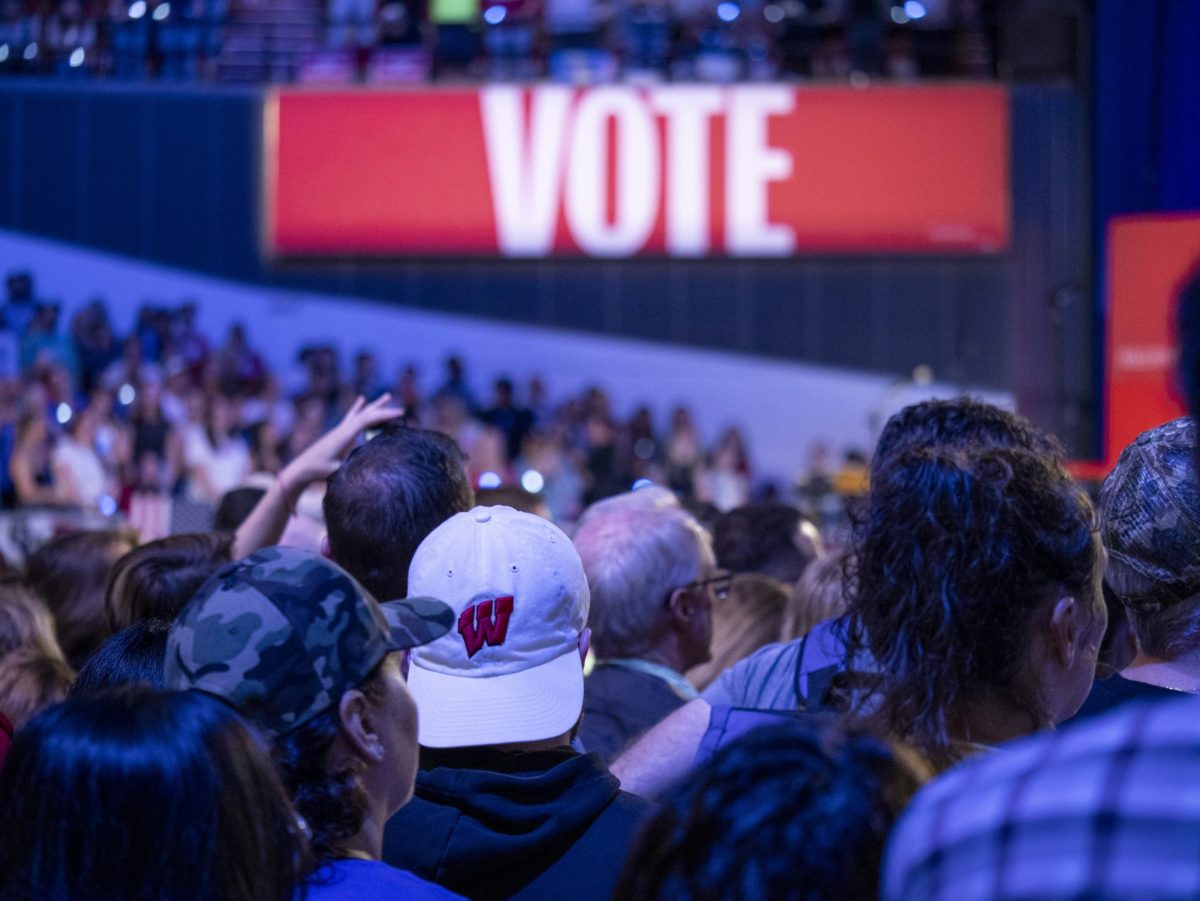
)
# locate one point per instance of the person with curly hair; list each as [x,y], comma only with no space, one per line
[977,591]
[302,650]
[798,810]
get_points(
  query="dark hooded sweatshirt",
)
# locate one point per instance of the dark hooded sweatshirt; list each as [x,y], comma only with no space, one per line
[532,825]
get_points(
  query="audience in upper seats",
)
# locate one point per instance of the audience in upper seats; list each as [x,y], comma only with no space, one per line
[1150,523]
[31,681]
[1106,808]
[801,809]
[300,648]
[143,795]
[389,494]
[134,656]
[69,573]
[814,672]
[504,808]
[747,618]
[653,583]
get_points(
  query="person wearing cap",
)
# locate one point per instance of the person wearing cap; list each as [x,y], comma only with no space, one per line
[504,808]
[1150,524]
[309,656]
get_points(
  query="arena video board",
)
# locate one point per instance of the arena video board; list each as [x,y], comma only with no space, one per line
[620,171]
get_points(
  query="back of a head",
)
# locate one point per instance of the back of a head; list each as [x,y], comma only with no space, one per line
[799,810]
[1150,522]
[134,656]
[25,622]
[69,573]
[820,595]
[157,579]
[170,798]
[235,505]
[956,555]
[651,497]
[634,558]
[388,495]
[30,682]
[760,538]
[960,424]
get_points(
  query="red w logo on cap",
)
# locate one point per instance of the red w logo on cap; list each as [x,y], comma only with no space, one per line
[485,623]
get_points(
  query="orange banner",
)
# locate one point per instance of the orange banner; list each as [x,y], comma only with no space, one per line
[618,172]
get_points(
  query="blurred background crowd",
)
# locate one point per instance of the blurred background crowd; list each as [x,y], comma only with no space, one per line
[577,41]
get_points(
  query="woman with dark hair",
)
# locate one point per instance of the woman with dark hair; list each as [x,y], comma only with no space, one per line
[977,579]
[134,656]
[798,810]
[69,573]
[142,795]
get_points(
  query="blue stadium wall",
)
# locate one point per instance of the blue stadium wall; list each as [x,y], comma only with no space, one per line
[172,175]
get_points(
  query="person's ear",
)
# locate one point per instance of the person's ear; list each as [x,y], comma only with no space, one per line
[326,550]
[682,607]
[585,644]
[357,727]
[1066,630]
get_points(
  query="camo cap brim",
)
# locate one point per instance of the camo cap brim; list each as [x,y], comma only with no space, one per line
[284,633]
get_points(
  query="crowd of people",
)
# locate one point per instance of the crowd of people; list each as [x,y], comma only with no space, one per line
[982,694]
[572,40]
[168,424]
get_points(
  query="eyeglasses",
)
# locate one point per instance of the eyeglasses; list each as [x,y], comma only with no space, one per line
[719,584]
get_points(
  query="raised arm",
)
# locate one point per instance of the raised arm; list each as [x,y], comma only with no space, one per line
[266,522]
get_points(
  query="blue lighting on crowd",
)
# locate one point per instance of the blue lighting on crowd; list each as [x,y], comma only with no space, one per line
[489,480]
[494,15]
[914,9]
[532,481]
[727,12]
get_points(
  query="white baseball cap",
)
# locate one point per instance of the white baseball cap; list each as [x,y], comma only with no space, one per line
[510,670]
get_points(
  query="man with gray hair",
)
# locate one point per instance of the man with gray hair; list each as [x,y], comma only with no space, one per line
[653,580]
[1150,523]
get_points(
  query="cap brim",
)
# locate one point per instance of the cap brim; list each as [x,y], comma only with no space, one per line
[416,621]
[464,711]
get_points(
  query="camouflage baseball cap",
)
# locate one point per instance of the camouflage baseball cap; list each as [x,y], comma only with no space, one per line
[1150,514]
[284,633]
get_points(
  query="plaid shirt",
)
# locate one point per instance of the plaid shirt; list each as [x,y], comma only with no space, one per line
[1109,808]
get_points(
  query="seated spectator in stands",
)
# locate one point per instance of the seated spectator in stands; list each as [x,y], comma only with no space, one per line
[29,466]
[238,367]
[69,573]
[142,794]
[134,656]
[389,494]
[815,672]
[31,681]
[25,622]
[654,584]
[295,644]
[504,807]
[1103,809]
[1150,522]
[747,619]
[43,344]
[726,481]
[819,597]
[513,421]
[215,454]
[772,539]
[80,479]
[801,809]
